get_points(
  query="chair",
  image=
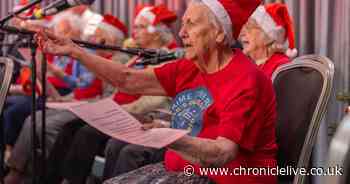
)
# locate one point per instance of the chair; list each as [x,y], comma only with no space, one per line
[302,91]
[6,69]
[339,154]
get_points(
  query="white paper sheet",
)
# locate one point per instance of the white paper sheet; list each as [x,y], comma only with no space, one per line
[108,117]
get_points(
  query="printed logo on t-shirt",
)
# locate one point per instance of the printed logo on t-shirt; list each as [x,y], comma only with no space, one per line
[188,108]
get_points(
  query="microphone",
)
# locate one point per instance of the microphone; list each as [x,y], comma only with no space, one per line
[161,58]
[58,6]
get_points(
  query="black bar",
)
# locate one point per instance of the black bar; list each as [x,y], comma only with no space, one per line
[43,118]
[33,127]
[146,53]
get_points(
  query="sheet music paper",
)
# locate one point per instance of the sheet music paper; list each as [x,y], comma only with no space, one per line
[108,117]
[64,105]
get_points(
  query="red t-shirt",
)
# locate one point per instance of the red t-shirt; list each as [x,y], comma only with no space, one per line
[55,81]
[227,104]
[273,63]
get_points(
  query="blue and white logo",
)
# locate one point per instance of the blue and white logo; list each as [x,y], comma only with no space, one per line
[188,108]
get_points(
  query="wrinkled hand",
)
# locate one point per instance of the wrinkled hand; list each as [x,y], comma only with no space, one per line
[53,44]
[156,124]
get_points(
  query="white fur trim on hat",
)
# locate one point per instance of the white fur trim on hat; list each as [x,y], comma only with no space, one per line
[112,30]
[146,13]
[222,15]
[269,26]
[292,53]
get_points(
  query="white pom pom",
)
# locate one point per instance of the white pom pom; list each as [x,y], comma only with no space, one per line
[292,53]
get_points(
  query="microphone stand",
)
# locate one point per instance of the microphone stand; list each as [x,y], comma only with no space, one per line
[140,52]
[33,48]
[33,62]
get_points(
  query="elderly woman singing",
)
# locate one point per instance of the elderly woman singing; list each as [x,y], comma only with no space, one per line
[268,37]
[218,94]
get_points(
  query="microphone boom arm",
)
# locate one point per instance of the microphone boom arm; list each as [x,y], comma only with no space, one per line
[15,13]
[145,53]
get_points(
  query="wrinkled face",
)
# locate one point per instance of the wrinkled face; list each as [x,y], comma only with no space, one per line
[104,38]
[252,37]
[142,37]
[63,28]
[197,32]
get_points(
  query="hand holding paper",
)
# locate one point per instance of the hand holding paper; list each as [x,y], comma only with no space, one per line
[108,117]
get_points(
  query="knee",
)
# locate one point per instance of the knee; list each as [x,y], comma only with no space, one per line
[113,147]
[131,150]
[87,132]
[28,122]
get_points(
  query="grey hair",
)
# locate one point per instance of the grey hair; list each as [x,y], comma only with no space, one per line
[272,45]
[73,19]
[165,33]
[214,21]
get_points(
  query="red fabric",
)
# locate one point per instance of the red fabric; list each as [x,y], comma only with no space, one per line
[273,63]
[92,91]
[243,109]
[115,22]
[124,98]
[239,12]
[55,81]
[279,13]
[172,45]
[161,12]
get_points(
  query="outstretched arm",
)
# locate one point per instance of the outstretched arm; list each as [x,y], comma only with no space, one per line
[126,79]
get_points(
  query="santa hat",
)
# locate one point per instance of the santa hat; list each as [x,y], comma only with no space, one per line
[155,15]
[232,14]
[275,21]
[108,22]
[112,23]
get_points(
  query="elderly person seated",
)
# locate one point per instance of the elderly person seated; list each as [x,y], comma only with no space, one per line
[83,83]
[267,35]
[78,162]
[218,94]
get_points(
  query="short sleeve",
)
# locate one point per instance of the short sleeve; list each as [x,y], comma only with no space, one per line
[237,119]
[166,75]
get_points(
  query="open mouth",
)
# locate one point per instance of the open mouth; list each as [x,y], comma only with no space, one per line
[245,42]
[187,46]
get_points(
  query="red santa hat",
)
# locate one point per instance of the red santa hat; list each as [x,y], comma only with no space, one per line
[276,22]
[107,22]
[232,14]
[112,23]
[155,15]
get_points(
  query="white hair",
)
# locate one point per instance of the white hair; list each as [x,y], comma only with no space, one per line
[272,45]
[74,20]
[215,22]
[165,33]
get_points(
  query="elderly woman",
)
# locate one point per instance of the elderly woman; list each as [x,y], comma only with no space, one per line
[218,94]
[267,36]
[78,162]
[83,83]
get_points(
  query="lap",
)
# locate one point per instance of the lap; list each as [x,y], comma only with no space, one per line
[156,173]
